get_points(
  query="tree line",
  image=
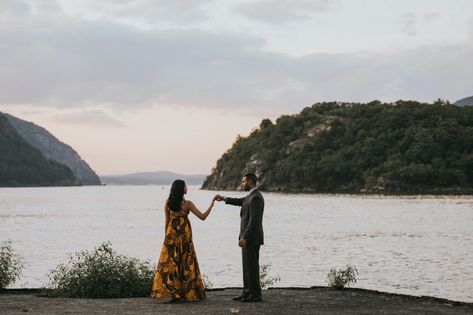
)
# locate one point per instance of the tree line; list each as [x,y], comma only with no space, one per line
[402,147]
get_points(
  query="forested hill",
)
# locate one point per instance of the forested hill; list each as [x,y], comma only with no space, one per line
[53,149]
[23,165]
[405,147]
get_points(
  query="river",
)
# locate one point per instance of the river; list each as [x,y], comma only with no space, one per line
[419,245]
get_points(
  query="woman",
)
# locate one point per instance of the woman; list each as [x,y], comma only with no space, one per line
[177,276]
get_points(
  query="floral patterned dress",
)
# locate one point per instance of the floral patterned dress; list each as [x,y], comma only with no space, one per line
[177,275]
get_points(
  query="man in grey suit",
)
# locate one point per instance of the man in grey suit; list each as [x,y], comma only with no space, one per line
[251,236]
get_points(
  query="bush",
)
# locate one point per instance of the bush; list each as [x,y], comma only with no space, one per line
[340,278]
[265,279]
[101,273]
[11,264]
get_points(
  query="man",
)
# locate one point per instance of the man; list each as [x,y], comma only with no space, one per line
[251,236]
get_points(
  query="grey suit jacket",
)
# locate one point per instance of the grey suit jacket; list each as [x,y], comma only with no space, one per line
[251,214]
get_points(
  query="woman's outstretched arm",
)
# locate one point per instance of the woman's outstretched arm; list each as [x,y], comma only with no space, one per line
[197,212]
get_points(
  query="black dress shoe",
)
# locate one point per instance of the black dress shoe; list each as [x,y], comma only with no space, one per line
[240,297]
[252,298]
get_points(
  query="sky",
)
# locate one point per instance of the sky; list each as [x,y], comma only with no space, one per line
[149,85]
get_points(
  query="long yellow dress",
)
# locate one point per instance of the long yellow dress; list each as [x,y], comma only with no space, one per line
[177,275]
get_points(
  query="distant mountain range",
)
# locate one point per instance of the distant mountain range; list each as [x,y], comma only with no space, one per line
[151,178]
[467,101]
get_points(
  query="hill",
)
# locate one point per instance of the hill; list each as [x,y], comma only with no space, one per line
[55,150]
[406,147]
[152,178]
[467,101]
[23,165]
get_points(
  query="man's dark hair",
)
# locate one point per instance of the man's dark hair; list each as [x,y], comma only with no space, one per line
[252,178]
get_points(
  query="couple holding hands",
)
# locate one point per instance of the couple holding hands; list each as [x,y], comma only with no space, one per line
[177,276]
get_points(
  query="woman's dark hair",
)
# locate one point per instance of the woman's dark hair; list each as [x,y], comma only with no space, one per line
[176,195]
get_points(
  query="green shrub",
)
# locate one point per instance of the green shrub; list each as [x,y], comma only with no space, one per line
[340,278]
[101,273]
[11,264]
[265,279]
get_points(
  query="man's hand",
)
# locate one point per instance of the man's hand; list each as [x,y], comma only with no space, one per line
[242,242]
[218,198]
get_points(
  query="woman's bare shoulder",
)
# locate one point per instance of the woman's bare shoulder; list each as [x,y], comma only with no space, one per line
[186,203]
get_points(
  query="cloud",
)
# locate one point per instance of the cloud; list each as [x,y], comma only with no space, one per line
[431,16]
[282,11]
[74,62]
[77,63]
[412,23]
[421,74]
[47,7]
[409,25]
[94,118]
[11,8]
[470,28]
[150,11]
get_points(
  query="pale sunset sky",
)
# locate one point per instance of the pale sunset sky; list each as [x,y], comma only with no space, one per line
[148,85]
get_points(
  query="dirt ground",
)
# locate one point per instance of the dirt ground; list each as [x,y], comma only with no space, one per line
[316,300]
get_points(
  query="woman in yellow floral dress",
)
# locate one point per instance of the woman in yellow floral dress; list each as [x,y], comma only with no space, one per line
[177,276]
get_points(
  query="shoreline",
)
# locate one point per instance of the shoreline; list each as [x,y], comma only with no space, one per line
[465,193]
[427,194]
[37,291]
[289,300]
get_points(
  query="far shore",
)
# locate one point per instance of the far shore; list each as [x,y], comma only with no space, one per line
[275,301]
[427,194]
[433,192]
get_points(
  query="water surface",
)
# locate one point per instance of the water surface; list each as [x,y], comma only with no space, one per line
[409,245]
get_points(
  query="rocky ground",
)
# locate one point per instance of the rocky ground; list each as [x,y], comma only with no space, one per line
[317,300]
